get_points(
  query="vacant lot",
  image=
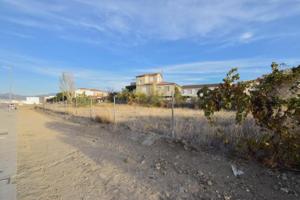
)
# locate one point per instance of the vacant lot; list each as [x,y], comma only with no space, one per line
[60,159]
[190,124]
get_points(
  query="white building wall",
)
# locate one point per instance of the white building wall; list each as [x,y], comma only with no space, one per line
[32,100]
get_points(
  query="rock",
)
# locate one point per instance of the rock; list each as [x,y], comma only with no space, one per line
[160,164]
[227,197]
[165,194]
[186,147]
[181,190]
[284,177]
[143,162]
[236,171]
[276,187]
[209,183]
[157,166]
[151,176]
[150,139]
[200,173]
[126,160]
[284,190]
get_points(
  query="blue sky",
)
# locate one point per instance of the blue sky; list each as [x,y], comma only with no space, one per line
[106,43]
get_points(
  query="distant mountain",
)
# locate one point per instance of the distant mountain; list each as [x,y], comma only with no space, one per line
[23,97]
[45,95]
[13,96]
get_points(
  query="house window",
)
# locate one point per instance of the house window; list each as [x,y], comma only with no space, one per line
[150,79]
[167,88]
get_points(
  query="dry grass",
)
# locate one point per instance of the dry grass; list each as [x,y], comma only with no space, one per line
[190,125]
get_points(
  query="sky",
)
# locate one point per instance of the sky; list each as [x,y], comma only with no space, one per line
[106,43]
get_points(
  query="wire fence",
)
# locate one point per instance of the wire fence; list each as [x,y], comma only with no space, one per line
[180,123]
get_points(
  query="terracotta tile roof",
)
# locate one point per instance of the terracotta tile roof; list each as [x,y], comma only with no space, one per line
[199,86]
[166,83]
[149,74]
[91,89]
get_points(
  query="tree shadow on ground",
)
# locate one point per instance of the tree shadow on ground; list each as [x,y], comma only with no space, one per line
[121,148]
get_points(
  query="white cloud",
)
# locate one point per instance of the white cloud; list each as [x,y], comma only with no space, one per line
[92,78]
[185,73]
[246,36]
[165,19]
[212,68]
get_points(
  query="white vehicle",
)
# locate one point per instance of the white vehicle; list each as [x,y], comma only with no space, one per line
[12,106]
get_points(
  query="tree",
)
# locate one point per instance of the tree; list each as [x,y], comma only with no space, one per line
[67,85]
[178,97]
[273,110]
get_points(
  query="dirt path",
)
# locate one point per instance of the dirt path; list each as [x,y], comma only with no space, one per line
[58,159]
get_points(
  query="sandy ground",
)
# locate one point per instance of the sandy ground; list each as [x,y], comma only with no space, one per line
[8,157]
[59,159]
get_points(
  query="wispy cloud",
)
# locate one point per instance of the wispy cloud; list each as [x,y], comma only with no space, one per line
[246,36]
[223,65]
[165,20]
[185,73]
[214,71]
[92,78]
[16,34]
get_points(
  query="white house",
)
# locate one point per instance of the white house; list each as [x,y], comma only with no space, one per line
[46,98]
[32,100]
[90,92]
[192,90]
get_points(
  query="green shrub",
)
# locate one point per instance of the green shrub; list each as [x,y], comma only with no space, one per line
[277,113]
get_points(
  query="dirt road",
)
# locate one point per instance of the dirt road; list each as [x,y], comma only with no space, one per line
[8,158]
[59,159]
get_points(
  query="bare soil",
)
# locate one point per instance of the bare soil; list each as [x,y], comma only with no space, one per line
[60,159]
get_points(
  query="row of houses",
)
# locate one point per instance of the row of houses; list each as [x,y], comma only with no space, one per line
[153,83]
[34,100]
[91,92]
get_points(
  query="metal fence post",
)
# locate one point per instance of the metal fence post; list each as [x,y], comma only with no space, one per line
[91,104]
[75,105]
[65,104]
[173,120]
[114,109]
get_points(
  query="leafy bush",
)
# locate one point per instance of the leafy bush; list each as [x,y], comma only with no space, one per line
[272,111]
[126,96]
[140,98]
[83,100]
[179,100]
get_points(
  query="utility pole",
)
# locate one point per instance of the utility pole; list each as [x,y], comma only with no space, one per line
[10,84]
